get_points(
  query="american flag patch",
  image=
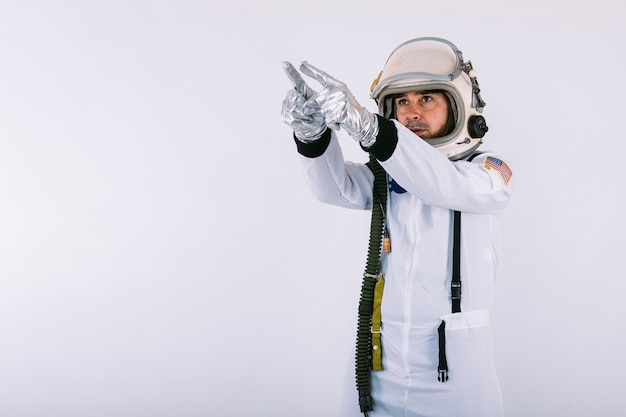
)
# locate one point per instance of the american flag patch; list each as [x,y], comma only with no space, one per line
[500,166]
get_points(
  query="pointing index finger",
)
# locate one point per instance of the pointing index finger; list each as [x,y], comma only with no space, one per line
[296,79]
[316,73]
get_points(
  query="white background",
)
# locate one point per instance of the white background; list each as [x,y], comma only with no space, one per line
[161,255]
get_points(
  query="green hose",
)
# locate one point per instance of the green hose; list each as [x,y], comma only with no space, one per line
[370,277]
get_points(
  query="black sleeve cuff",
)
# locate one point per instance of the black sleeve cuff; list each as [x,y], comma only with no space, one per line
[316,148]
[386,140]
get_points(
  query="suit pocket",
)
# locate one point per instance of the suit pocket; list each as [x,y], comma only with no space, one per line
[469,362]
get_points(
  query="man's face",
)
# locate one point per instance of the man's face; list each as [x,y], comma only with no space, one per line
[424,113]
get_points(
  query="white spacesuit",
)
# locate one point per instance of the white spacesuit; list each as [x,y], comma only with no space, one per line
[428,182]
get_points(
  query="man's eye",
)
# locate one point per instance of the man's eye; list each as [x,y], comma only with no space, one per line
[427,99]
[402,101]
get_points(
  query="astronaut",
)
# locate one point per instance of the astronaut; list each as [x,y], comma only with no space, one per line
[425,136]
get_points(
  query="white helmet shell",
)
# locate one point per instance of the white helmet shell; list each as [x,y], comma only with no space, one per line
[427,64]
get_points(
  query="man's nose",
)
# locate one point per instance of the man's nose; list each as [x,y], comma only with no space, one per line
[414,112]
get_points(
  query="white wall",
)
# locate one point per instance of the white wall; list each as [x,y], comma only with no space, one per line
[160,254]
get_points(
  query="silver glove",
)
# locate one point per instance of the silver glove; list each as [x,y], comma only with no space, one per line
[340,108]
[300,111]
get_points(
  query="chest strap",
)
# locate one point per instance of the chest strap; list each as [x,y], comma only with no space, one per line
[455,289]
[455,295]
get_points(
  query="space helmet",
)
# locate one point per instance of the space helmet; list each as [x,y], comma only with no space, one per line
[435,64]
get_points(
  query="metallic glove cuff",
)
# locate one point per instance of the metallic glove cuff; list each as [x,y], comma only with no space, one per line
[367,135]
[310,135]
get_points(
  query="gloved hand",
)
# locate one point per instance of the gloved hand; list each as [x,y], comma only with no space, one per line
[300,110]
[340,108]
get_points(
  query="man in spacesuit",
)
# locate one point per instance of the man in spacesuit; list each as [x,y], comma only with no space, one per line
[426,137]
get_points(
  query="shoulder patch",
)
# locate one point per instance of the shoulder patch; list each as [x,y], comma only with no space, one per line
[500,166]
